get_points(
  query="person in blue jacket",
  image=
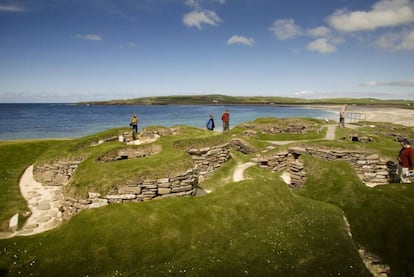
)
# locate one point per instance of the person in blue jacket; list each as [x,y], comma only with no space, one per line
[210,123]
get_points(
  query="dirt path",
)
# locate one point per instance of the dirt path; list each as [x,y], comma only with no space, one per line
[238,174]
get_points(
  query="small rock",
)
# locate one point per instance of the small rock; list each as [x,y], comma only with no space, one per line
[43,205]
[14,221]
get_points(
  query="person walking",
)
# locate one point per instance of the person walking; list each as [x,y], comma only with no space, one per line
[405,161]
[134,123]
[226,120]
[342,114]
[210,123]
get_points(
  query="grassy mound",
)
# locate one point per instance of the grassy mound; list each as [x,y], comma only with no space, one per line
[256,227]
[93,174]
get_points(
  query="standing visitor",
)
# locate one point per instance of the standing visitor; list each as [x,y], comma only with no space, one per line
[342,116]
[134,123]
[226,119]
[210,123]
[405,161]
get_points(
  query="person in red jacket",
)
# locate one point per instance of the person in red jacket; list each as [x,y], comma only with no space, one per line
[226,119]
[405,161]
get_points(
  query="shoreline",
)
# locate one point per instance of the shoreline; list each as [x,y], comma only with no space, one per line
[388,114]
[372,113]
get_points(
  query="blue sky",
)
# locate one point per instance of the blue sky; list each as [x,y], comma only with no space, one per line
[68,51]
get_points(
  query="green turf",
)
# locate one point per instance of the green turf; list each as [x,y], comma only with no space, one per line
[257,227]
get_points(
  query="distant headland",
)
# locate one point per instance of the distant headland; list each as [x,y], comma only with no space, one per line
[218,99]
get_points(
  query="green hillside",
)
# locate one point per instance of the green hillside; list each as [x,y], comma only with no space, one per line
[217,99]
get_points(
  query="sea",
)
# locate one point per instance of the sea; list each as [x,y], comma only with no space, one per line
[66,120]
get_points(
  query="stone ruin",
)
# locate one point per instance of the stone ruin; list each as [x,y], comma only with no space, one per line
[370,168]
[130,153]
[206,160]
[272,128]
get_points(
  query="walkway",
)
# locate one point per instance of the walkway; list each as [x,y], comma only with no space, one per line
[330,133]
[43,202]
[238,174]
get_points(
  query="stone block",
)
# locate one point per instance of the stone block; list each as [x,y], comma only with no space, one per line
[93,195]
[97,203]
[43,205]
[181,189]
[163,191]
[14,222]
[129,190]
[163,180]
[120,196]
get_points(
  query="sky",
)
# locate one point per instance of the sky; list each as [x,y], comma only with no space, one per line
[81,50]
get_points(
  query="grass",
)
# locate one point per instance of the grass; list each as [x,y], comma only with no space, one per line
[107,175]
[382,135]
[256,227]
[381,217]
[15,157]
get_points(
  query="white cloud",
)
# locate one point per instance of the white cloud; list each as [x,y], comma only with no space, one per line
[320,31]
[193,3]
[284,29]
[400,83]
[397,41]
[304,93]
[93,37]
[407,41]
[11,8]
[324,45]
[388,40]
[197,4]
[197,18]
[240,40]
[385,13]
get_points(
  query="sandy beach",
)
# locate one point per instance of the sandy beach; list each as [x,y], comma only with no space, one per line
[374,113]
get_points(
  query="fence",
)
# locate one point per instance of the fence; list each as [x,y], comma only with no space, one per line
[355,117]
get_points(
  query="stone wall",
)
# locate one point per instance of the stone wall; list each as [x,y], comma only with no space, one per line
[241,146]
[181,184]
[286,161]
[130,153]
[289,129]
[57,173]
[370,168]
[207,159]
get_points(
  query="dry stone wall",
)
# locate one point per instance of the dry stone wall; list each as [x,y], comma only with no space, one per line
[206,160]
[131,153]
[182,184]
[370,168]
[57,173]
[290,129]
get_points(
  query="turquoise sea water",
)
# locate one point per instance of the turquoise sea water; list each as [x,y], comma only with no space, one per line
[28,121]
